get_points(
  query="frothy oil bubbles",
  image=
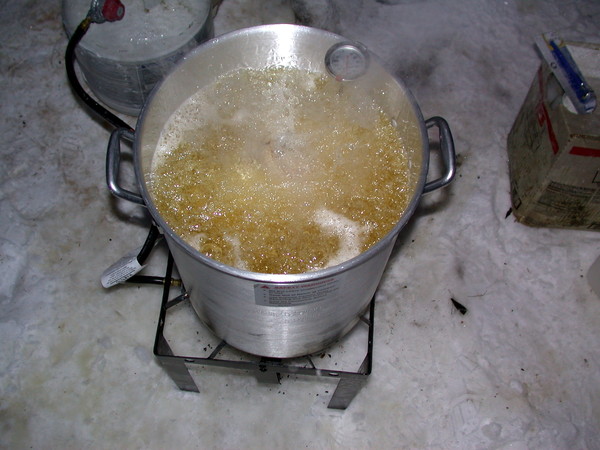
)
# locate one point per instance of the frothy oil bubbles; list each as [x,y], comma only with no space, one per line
[281,171]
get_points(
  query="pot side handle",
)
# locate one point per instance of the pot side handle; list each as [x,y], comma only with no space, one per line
[448,154]
[113,161]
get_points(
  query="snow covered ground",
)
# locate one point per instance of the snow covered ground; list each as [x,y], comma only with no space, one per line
[520,370]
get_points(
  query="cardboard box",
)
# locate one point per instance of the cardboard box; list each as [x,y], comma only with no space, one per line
[554,153]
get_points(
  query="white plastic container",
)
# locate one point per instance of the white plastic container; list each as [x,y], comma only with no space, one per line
[123,60]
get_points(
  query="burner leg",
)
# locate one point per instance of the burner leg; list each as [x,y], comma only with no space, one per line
[349,386]
[266,375]
[175,367]
[180,374]
[345,392]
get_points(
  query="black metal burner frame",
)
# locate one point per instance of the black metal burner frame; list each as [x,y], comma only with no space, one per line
[266,370]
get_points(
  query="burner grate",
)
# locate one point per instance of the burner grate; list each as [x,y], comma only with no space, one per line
[265,370]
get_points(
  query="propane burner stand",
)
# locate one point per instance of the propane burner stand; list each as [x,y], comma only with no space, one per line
[266,370]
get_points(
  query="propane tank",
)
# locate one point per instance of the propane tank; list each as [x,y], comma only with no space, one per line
[132,45]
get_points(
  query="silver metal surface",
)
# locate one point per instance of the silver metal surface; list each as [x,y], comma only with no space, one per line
[231,301]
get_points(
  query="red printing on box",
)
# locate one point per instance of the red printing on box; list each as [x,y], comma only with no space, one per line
[543,116]
[583,151]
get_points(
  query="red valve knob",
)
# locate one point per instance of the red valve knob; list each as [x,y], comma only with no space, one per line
[113,10]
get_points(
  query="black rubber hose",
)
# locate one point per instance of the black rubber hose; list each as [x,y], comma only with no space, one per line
[145,279]
[72,76]
[103,113]
[148,245]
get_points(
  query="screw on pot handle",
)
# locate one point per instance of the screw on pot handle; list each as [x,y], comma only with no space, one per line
[113,160]
[448,155]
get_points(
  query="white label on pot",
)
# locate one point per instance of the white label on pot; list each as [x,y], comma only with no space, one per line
[122,270]
[295,294]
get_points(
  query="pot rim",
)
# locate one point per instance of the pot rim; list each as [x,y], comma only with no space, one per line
[278,277]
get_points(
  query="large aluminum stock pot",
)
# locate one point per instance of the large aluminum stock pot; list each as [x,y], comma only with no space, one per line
[277,315]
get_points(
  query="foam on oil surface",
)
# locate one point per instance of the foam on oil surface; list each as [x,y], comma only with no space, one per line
[281,171]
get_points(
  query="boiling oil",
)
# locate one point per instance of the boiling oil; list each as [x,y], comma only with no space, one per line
[281,171]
